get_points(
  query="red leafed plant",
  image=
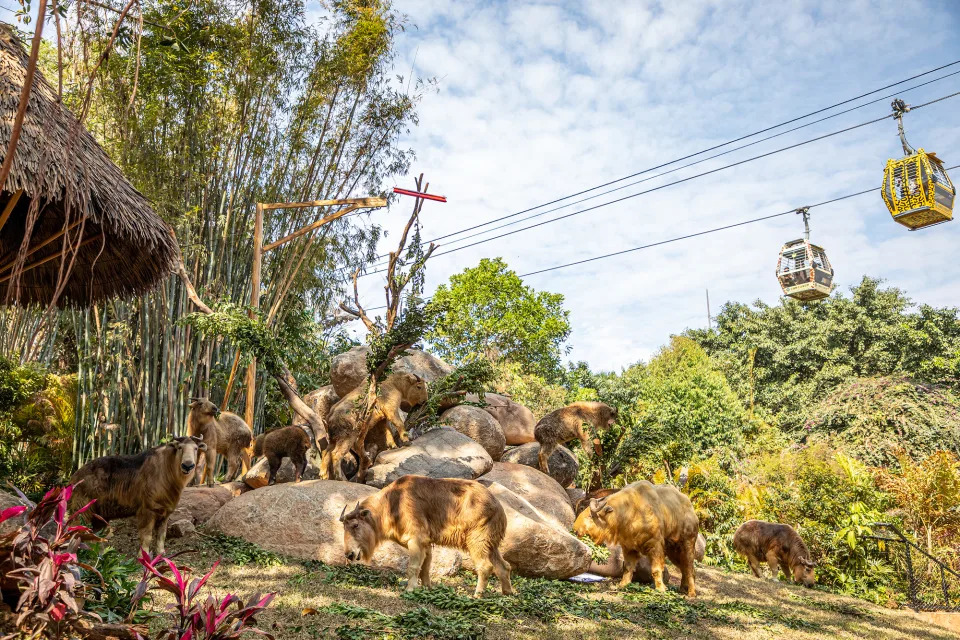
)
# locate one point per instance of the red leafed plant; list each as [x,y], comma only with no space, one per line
[39,566]
[196,619]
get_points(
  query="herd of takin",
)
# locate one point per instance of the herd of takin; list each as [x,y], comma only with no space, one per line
[647,521]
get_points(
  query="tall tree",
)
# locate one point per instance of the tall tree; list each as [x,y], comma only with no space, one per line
[491,313]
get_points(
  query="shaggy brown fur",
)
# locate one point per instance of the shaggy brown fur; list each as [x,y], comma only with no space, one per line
[288,442]
[650,520]
[563,425]
[400,391]
[147,485]
[779,545]
[418,512]
[226,434]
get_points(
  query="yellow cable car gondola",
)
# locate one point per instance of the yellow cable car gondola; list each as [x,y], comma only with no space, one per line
[803,269]
[916,188]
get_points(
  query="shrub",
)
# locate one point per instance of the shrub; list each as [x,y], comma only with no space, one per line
[41,559]
[193,619]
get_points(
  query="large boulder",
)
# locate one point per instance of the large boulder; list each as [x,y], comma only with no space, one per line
[421,363]
[477,424]
[440,453]
[198,504]
[8,500]
[348,370]
[537,488]
[321,400]
[515,419]
[563,464]
[303,520]
[534,546]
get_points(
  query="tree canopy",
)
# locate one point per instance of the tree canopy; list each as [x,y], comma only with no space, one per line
[491,313]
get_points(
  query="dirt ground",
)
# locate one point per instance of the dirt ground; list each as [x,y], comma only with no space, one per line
[728,606]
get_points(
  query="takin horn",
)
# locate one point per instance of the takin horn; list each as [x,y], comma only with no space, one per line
[343,512]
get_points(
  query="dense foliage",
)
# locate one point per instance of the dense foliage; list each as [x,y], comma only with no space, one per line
[489,312]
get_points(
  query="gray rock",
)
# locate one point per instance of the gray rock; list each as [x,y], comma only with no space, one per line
[440,453]
[180,529]
[198,504]
[537,488]
[9,500]
[259,474]
[348,370]
[516,420]
[576,495]
[563,464]
[478,425]
[421,363]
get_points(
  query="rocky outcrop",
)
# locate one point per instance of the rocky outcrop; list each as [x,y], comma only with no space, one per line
[440,453]
[539,489]
[348,370]
[534,545]
[199,504]
[303,520]
[515,419]
[421,363]
[563,464]
[477,425]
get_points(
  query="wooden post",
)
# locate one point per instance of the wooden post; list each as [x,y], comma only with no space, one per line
[254,304]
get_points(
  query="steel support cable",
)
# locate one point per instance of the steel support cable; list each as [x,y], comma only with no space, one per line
[679,181]
[696,234]
[707,150]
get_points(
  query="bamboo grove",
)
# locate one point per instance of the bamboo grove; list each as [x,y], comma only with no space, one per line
[210,107]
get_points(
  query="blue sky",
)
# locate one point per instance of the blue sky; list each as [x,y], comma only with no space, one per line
[539,100]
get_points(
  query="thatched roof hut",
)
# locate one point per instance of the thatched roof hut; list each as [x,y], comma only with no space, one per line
[62,176]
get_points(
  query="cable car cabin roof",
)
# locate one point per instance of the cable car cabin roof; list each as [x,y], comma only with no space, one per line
[917,190]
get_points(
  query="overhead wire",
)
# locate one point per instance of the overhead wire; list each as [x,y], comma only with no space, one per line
[681,180]
[701,152]
[693,235]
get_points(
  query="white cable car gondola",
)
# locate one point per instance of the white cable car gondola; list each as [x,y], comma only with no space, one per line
[803,269]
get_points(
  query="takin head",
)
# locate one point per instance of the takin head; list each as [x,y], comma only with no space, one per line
[203,407]
[186,451]
[606,520]
[359,533]
[803,573]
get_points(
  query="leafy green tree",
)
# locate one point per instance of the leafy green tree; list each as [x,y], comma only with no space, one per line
[491,313]
[785,358]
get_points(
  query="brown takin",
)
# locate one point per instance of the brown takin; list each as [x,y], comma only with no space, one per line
[652,520]
[780,546]
[566,424]
[400,391]
[226,434]
[147,485]
[288,442]
[418,512]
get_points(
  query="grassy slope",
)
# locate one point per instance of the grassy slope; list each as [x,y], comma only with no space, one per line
[728,605]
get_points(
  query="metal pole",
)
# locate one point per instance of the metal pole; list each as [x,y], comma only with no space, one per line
[709,322]
[254,305]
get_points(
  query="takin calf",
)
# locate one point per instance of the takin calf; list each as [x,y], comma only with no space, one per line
[147,485]
[566,424]
[650,520]
[780,546]
[418,512]
[288,442]
[400,391]
[226,434]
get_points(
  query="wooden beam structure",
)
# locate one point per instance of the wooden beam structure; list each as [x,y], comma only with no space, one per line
[349,205]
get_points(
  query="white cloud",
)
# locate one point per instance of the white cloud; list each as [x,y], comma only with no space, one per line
[539,100]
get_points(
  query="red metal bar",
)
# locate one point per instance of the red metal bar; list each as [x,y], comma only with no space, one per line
[417,194]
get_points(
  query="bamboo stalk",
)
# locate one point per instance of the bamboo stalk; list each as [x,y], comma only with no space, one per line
[11,204]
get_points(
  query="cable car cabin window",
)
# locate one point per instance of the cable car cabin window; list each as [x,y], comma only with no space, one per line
[794,259]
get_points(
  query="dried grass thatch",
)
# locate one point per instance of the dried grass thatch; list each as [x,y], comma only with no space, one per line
[70,183]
